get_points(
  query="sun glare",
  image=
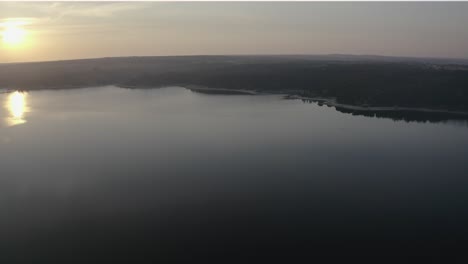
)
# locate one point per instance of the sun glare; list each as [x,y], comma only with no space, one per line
[17,106]
[13,36]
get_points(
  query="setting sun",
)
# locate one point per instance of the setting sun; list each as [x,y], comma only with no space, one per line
[13,36]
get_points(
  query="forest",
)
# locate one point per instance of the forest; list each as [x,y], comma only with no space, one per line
[355,80]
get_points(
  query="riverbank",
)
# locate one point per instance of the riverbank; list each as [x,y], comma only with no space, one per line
[221,91]
[289,95]
[333,103]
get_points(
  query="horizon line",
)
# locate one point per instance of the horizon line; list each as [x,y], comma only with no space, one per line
[240,55]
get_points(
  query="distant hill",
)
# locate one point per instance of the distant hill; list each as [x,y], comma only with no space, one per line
[352,79]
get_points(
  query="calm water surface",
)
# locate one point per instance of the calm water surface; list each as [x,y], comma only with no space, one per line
[168,172]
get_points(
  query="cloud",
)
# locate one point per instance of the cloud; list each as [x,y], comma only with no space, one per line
[28,13]
[64,17]
[91,9]
[17,21]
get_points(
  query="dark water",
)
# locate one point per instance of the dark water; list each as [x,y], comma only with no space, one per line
[100,174]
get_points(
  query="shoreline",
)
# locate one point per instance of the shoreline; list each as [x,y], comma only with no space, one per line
[220,91]
[328,101]
[331,102]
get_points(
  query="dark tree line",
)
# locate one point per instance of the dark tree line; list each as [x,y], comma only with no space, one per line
[359,82]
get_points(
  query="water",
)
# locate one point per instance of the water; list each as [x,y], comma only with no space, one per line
[99,172]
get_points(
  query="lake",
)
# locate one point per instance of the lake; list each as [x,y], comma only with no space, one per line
[168,173]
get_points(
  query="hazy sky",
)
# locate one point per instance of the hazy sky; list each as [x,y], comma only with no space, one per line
[84,30]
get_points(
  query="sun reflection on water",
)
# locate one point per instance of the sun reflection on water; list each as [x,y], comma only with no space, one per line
[17,106]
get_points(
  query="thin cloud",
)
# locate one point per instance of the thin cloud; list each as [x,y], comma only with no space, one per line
[17,21]
[62,18]
[91,10]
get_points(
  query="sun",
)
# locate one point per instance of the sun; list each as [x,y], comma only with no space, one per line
[13,36]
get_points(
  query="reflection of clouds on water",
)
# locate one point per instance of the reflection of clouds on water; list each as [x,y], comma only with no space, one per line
[15,107]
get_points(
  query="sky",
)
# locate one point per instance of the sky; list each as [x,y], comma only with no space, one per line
[71,30]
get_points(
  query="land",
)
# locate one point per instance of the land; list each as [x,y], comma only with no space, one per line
[395,112]
[354,83]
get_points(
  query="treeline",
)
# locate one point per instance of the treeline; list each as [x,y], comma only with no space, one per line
[358,82]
